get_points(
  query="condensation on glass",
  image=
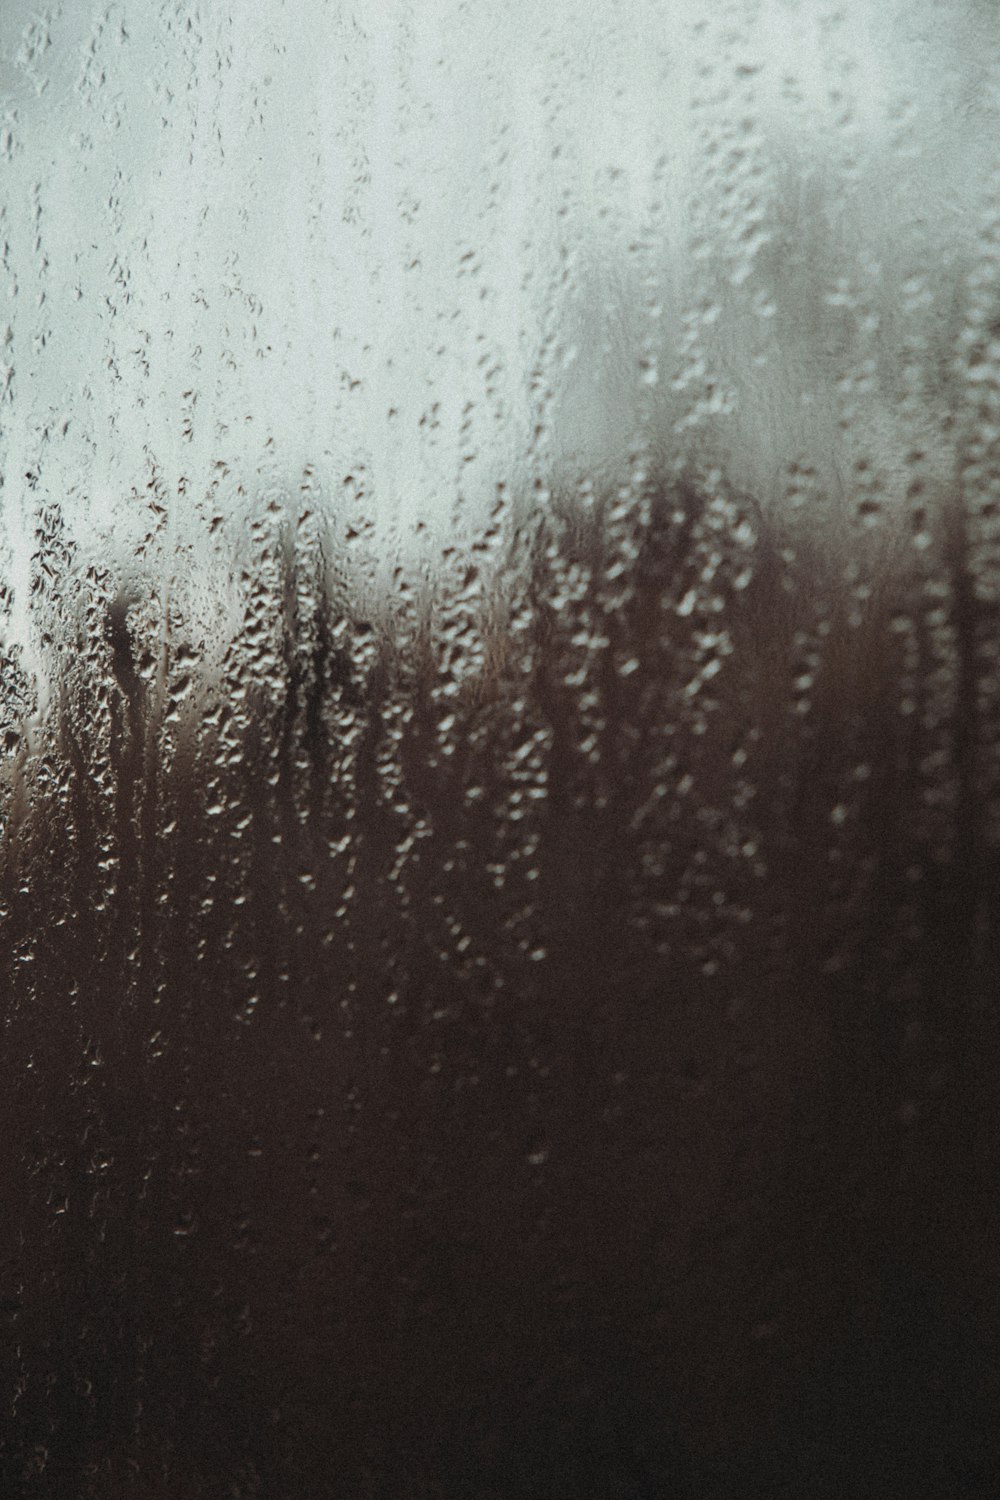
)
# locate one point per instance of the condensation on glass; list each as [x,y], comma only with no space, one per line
[499,770]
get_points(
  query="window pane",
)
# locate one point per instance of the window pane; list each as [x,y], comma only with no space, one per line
[499,771]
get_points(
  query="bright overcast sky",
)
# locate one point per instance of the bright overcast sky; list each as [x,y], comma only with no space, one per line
[272,236]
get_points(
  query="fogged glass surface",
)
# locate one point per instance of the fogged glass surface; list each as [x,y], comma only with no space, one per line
[499,771]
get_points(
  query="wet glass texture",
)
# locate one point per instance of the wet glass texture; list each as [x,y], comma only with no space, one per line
[499,749]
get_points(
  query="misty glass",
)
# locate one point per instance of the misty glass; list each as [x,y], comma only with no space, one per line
[499,770]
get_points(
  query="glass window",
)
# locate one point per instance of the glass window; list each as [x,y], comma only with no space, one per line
[499,748]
